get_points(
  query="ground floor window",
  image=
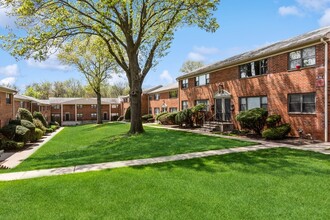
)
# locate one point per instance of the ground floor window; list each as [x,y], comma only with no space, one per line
[247,103]
[79,115]
[56,117]
[302,103]
[150,111]
[93,115]
[184,105]
[156,111]
[164,109]
[173,109]
[205,102]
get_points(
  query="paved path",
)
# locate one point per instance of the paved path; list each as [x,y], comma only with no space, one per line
[320,148]
[14,159]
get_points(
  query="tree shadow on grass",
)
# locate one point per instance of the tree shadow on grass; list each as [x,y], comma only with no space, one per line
[282,162]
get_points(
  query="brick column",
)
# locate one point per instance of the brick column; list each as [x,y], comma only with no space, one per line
[75,112]
[61,114]
[110,112]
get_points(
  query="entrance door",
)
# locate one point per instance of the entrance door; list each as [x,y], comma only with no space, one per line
[222,108]
[67,116]
[105,116]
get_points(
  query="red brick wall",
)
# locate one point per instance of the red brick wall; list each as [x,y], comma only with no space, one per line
[164,98]
[276,86]
[6,110]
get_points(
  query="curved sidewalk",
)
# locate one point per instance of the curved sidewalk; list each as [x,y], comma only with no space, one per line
[127,163]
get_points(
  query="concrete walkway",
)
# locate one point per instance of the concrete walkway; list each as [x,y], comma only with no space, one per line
[323,148]
[13,159]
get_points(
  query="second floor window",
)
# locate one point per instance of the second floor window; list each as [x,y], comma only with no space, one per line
[184,83]
[93,106]
[173,94]
[254,68]
[8,98]
[157,96]
[79,106]
[302,58]
[56,106]
[202,80]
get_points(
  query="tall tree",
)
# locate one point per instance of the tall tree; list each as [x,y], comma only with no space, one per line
[89,57]
[41,90]
[136,32]
[189,66]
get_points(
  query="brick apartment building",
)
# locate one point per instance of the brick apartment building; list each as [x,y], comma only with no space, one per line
[71,111]
[163,99]
[287,78]
[6,105]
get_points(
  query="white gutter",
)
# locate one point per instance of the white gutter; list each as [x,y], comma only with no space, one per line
[326,118]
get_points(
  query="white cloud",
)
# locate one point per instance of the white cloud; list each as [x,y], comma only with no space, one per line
[52,63]
[6,20]
[8,81]
[206,50]
[10,70]
[196,56]
[325,19]
[289,10]
[314,4]
[166,76]
[117,78]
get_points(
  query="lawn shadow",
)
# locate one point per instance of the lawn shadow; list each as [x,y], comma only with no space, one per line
[281,162]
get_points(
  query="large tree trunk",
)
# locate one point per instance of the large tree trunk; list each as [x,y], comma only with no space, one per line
[135,103]
[99,108]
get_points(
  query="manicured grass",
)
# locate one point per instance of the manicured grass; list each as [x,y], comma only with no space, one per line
[267,184]
[109,142]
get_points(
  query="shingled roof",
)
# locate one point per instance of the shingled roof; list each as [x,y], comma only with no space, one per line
[281,46]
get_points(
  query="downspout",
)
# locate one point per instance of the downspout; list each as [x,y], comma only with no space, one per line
[326,119]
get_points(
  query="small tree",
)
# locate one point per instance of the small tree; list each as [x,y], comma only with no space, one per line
[253,119]
[190,66]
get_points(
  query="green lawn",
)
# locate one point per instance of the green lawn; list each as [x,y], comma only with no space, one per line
[267,184]
[109,142]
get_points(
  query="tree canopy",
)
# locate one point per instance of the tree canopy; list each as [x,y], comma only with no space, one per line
[189,66]
[136,32]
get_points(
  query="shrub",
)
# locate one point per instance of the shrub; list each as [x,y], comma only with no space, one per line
[277,133]
[9,145]
[27,124]
[54,123]
[22,134]
[167,119]
[184,117]
[49,130]
[145,118]
[38,115]
[9,131]
[273,120]
[39,125]
[160,114]
[253,119]
[54,127]
[128,114]
[37,135]
[198,108]
[114,118]
[120,118]
[24,114]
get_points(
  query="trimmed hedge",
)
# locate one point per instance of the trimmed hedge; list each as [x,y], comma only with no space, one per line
[24,114]
[160,114]
[277,133]
[273,120]
[39,124]
[38,115]
[38,135]
[168,118]
[253,119]
[184,117]
[10,145]
[146,118]
[27,124]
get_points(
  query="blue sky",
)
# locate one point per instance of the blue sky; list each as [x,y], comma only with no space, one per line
[244,25]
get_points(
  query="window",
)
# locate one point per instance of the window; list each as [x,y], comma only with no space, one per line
[173,94]
[303,58]
[173,109]
[21,104]
[164,109]
[202,80]
[157,96]
[56,106]
[93,106]
[205,102]
[8,98]
[184,105]
[248,103]
[93,115]
[184,83]
[79,115]
[156,111]
[302,103]
[79,106]
[150,97]
[150,111]
[114,106]
[254,68]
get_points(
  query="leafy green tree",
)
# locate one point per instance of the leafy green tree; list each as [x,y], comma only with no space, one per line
[136,32]
[189,66]
[41,90]
[89,57]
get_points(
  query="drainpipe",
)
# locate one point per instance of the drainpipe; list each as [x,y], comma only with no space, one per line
[325,90]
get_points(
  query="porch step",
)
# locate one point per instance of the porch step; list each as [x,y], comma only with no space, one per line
[217,126]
